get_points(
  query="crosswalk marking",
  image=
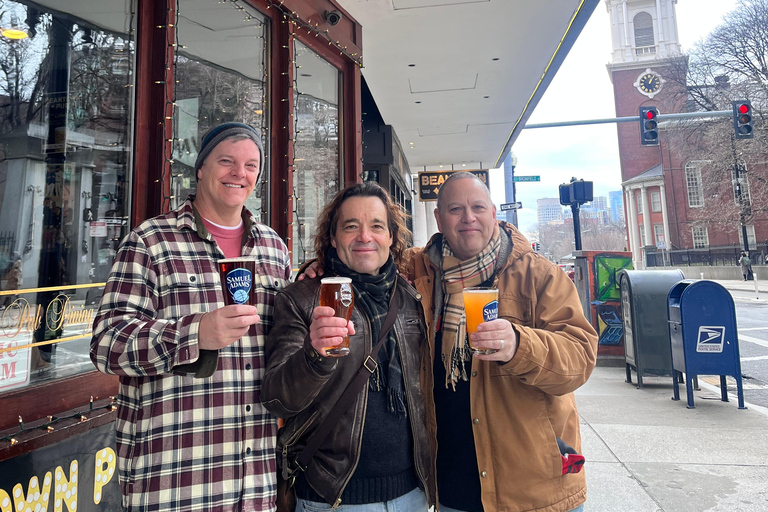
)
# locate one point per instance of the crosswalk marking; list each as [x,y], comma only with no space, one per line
[751,339]
[755,358]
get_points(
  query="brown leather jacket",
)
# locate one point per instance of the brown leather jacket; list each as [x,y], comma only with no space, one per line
[521,407]
[304,391]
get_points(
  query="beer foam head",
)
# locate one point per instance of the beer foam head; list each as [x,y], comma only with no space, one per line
[479,290]
[238,259]
[336,280]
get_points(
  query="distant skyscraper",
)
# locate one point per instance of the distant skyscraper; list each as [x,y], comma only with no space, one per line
[599,203]
[548,209]
[617,206]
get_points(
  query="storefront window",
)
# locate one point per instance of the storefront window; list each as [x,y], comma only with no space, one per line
[317,175]
[66,109]
[220,77]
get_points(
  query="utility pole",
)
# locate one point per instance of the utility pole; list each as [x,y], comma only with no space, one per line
[743,208]
[510,162]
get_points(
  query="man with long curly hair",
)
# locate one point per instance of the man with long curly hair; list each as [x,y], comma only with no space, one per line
[378,451]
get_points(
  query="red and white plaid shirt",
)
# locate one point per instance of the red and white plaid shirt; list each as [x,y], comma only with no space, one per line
[187,444]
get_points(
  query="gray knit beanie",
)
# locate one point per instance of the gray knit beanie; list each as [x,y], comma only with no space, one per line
[217,134]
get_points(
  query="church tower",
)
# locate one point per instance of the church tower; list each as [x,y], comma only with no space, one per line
[646,49]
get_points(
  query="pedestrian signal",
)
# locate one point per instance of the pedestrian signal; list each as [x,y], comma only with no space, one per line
[649,131]
[742,119]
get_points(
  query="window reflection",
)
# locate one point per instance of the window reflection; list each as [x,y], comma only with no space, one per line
[66,102]
[317,171]
[220,76]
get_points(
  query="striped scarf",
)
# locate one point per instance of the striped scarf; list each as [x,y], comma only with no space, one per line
[458,275]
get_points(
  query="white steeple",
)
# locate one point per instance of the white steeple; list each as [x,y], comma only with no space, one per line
[642,31]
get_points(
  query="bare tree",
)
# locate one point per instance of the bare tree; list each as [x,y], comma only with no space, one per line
[729,64]
[557,239]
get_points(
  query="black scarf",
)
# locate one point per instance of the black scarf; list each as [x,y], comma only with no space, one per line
[372,296]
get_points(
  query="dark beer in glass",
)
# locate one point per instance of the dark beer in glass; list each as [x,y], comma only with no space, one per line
[336,292]
[237,275]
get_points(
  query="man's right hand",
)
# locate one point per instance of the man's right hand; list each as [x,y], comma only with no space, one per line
[327,330]
[313,270]
[226,325]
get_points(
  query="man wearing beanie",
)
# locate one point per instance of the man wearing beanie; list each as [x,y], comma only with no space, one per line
[192,434]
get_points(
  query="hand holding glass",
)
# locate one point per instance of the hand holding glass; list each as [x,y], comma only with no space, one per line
[336,292]
[480,305]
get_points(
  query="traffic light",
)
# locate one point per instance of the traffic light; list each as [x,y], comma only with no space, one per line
[649,132]
[535,246]
[742,119]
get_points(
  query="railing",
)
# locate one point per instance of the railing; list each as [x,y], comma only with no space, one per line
[726,256]
[641,50]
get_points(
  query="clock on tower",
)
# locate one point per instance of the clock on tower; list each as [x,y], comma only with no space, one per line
[649,83]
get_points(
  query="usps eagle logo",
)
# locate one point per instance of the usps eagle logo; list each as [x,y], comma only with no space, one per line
[710,338]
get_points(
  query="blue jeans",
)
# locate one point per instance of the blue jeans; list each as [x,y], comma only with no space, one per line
[443,508]
[414,501]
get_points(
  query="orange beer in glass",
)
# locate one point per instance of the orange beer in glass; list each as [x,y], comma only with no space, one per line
[336,292]
[480,305]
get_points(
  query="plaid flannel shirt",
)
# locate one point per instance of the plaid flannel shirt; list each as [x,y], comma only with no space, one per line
[184,443]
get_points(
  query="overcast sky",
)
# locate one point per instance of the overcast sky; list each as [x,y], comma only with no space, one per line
[582,89]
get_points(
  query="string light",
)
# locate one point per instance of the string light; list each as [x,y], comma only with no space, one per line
[49,424]
[170,127]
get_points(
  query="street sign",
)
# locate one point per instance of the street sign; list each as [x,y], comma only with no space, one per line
[430,181]
[511,206]
[526,178]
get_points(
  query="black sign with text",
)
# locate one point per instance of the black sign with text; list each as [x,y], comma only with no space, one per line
[430,181]
[80,471]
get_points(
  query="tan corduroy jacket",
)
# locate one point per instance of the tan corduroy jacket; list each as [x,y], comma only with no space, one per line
[521,407]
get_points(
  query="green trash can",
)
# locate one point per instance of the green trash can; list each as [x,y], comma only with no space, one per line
[647,348]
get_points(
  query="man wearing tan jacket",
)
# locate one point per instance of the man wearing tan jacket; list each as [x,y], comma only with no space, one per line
[500,417]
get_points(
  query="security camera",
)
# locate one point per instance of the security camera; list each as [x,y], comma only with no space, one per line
[332,17]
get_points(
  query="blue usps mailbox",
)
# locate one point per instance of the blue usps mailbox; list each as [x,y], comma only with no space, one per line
[702,331]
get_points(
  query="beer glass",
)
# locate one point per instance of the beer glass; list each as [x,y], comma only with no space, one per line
[237,276]
[480,305]
[336,292]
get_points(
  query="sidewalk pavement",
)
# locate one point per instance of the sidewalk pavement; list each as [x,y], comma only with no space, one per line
[647,453]
[746,291]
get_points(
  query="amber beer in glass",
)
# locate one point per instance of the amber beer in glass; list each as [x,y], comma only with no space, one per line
[336,293]
[480,305]
[237,275]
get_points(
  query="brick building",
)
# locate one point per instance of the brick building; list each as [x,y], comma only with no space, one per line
[678,206]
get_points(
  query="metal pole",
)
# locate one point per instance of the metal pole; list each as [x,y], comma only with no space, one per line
[510,162]
[576,225]
[634,119]
[739,197]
